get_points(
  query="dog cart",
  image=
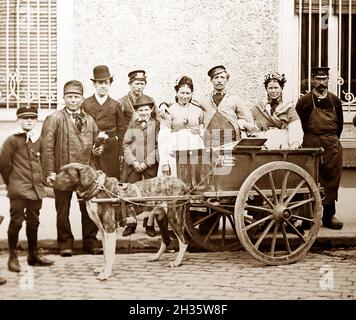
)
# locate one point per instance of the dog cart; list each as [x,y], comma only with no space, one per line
[268,201]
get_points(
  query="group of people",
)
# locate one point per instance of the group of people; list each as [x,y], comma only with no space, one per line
[133,139]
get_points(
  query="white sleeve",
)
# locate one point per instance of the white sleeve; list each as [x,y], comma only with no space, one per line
[164,143]
[295,132]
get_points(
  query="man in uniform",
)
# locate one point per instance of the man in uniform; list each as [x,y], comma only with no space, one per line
[137,83]
[108,116]
[321,115]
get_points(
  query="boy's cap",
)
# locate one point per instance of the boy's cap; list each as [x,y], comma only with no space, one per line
[27,112]
[143,100]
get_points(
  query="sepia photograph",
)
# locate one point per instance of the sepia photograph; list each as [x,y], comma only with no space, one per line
[178,156]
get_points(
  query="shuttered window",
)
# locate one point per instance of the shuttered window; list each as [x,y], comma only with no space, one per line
[28,53]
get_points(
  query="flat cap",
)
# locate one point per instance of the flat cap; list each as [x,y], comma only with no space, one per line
[216,70]
[27,112]
[73,86]
[320,71]
[137,75]
[143,100]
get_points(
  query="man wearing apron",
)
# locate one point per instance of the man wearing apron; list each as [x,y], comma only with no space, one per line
[321,115]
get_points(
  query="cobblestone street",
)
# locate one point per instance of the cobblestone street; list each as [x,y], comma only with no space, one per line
[206,276]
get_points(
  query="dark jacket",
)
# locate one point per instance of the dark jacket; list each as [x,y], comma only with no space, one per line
[63,143]
[305,107]
[20,167]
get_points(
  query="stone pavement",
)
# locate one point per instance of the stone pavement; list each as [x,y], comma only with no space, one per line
[139,241]
[203,276]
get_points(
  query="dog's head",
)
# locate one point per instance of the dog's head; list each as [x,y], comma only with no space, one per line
[75,176]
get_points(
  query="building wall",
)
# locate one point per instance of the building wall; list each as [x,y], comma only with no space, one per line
[172,38]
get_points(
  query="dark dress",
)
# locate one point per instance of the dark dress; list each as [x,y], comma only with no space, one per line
[322,123]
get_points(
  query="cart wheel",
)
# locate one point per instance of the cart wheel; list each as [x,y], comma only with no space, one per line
[211,229]
[289,213]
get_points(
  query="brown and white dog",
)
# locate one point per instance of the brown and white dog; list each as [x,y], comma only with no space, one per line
[90,184]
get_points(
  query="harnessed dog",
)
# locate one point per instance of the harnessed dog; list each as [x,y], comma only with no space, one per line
[90,184]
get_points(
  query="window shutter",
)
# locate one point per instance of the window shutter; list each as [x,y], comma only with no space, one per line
[28,53]
[345,6]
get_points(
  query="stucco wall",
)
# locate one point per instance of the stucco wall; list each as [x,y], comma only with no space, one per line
[171,38]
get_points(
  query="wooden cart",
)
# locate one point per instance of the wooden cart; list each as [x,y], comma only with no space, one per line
[268,201]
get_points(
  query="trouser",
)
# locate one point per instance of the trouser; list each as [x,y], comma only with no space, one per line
[329,211]
[64,232]
[131,176]
[20,210]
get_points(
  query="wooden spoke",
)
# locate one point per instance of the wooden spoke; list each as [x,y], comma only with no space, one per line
[256,223]
[198,222]
[274,239]
[211,230]
[300,184]
[284,186]
[302,218]
[295,230]
[263,196]
[273,187]
[223,230]
[264,233]
[300,203]
[258,209]
[232,222]
[285,238]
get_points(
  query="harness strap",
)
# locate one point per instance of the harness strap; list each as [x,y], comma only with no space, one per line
[96,187]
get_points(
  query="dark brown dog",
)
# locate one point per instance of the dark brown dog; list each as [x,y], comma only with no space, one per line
[89,183]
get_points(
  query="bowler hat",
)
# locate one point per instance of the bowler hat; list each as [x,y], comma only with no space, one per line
[137,75]
[320,71]
[27,112]
[101,73]
[143,100]
[73,86]
[216,70]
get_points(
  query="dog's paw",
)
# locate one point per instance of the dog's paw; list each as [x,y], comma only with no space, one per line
[175,264]
[153,258]
[98,270]
[103,276]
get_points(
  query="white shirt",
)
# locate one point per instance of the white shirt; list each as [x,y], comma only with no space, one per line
[101,100]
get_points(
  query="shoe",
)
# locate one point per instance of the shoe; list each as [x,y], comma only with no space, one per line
[2,281]
[151,231]
[66,252]
[128,230]
[333,223]
[93,251]
[36,259]
[13,263]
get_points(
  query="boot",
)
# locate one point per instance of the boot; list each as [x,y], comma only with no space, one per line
[13,263]
[36,259]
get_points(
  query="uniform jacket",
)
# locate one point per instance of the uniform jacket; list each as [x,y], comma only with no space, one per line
[63,143]
[20,166]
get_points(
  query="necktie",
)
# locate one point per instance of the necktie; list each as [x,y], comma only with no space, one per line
[78,120]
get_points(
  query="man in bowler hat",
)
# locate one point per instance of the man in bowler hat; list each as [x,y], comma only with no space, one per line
[321,115]
[69,136]
[108,115]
